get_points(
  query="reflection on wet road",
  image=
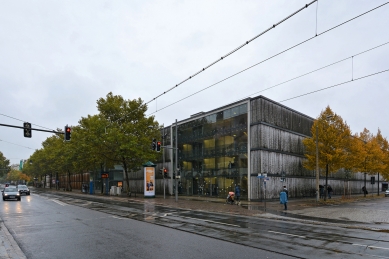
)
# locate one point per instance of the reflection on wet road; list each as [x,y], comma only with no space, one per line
[296,238]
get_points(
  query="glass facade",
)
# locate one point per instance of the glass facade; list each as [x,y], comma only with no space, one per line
[212,153]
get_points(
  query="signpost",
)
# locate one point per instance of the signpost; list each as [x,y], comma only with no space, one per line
[265,178]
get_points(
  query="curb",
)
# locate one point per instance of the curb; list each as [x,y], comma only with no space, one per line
[9,248]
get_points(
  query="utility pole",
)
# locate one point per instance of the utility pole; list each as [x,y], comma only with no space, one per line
[163,160]
[317,163]
[176,190]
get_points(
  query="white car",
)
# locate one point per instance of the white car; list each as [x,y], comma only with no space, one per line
[387,193]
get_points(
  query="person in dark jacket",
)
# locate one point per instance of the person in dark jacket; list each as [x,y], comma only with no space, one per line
[284,199]
[329,190]
[321,188]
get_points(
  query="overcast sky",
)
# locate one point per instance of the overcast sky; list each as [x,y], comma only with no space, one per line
[58,57]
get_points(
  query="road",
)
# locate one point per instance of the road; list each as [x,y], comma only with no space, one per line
[47,225]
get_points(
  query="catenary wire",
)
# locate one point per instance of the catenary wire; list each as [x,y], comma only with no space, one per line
[25,121]
[332,86]
[279,53]
[15,144]
[233,51]
[318,69]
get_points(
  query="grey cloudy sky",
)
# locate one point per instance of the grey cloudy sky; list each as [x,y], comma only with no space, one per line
[58,56]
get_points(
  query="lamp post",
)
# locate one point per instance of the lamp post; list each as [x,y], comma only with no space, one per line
[176,163]
[317,164]
[163,160]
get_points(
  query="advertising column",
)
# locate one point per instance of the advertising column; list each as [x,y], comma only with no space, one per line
[149,180]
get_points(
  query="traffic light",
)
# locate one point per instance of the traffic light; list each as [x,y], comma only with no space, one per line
[27,130]
[164,173]
[154,144]
[68,133]
[372,180]
[158,146]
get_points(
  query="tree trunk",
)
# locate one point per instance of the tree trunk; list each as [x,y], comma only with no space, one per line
[126,175]
[69,184]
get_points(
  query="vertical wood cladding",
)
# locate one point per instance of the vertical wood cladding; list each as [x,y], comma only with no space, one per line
[275,163]
[267,137]
[265,110]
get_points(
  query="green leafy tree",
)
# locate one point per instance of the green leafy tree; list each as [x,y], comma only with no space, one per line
[4,165]
[120,134]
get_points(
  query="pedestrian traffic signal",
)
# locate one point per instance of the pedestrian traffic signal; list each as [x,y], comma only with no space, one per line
[27,130]
[165,173]
[68,133]
[154,144]
[158,146]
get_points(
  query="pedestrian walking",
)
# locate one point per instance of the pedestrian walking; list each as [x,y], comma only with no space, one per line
[329,190]
[321,189]
[237,194]
[284,199]
[286,190]
[364,190]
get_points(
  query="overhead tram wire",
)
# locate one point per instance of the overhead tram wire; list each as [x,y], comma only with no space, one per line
[15,144]
[25,121]
[228,54]
[233,51]
[318,69]
[267,59]
[332,86]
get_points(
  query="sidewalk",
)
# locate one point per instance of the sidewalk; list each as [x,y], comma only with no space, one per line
[9,249]
[333,210]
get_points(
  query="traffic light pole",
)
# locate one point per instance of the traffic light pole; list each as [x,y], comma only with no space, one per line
[51,131]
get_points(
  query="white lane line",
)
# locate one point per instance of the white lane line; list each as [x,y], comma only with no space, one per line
[117,217]
[285,234]
[375,247]
[211,221]
[59,202]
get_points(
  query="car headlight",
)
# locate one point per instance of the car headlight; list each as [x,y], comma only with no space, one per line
[5,194]
[17,194]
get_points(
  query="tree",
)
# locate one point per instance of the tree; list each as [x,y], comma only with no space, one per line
[4,165]
[384,144]
[120,134]
[372,157]
[333,139]
[16,175]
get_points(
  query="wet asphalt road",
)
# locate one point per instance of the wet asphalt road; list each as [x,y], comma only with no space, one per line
[66,226]
[47,227]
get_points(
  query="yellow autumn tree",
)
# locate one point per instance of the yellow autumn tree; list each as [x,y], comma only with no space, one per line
[333,139]
[372,157]
[384,144]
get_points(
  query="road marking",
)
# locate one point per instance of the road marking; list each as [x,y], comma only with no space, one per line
[117,217]
[211,221]
[59,202]
[285,234]
[377,247]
